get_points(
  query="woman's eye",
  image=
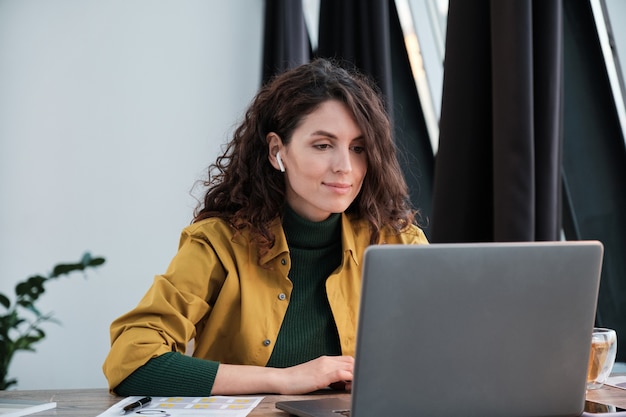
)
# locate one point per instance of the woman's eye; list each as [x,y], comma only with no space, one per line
[322,146]
[358,149]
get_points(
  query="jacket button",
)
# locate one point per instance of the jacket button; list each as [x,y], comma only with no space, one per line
[283,261]
[266,342]
[282,296]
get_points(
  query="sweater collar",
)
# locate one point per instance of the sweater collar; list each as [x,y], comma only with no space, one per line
[305,234]
[280,247]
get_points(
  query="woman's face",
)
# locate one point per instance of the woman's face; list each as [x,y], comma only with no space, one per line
[325,162]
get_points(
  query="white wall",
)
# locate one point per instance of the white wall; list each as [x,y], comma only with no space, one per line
[109,113]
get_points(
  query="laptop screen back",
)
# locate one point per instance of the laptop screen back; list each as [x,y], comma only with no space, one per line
[475,329]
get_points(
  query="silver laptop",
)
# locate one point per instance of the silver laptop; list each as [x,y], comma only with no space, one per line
[487,329]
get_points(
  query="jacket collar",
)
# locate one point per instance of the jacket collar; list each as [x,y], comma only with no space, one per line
[280,247]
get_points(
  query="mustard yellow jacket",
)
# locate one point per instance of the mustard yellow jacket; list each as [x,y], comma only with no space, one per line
[216,293]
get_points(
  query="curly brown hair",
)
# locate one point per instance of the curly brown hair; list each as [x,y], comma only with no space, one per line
[245,190]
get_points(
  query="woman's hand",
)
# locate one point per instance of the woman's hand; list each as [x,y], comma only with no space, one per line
[326,371]
[310,376]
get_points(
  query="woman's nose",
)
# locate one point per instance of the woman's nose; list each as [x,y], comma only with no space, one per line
[342,161]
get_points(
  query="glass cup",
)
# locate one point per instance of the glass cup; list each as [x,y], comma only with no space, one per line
[602,357]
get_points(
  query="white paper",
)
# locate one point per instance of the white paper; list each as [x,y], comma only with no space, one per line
[17,408]
[214,406]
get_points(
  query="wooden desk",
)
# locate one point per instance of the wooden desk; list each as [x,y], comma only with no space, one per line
[91,402]
[608,395]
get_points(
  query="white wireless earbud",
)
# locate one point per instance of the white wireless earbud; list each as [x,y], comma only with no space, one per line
[280,162]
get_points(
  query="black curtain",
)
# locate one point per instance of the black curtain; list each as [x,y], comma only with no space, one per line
[367,35]
[497,171]
[594,161]
[357,32]
[285,40]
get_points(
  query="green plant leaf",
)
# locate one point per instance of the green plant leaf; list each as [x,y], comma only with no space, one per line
[13,320]
[31,307]
[26,342]
[51,319]
[26,287]
[88,260]
[96,261]
[7,384]
[5,301]
[63,269]
[31,289]
[19,333]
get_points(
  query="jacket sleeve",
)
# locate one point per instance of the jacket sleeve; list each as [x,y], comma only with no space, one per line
[166,317]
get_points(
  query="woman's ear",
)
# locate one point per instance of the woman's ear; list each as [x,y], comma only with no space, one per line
[275,145]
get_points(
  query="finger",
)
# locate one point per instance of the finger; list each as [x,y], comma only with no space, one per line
[343,375]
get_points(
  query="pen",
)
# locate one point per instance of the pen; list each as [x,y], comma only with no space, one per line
[136,405]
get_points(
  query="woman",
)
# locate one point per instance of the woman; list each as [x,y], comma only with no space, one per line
[266,280]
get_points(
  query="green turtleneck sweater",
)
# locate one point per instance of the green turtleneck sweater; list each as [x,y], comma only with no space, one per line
[308,330]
